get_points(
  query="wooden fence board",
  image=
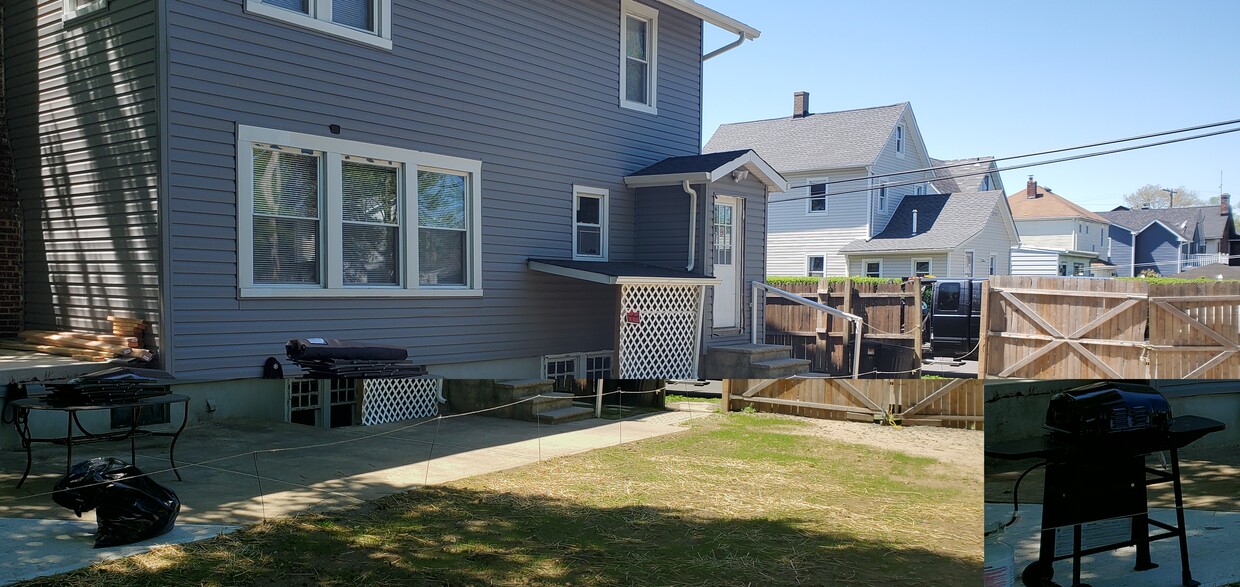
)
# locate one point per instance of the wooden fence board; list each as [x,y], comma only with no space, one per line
[956,403]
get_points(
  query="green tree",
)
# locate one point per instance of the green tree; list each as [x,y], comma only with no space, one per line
[1156,196]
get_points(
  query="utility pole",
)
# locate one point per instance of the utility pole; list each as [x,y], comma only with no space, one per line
[1171,202]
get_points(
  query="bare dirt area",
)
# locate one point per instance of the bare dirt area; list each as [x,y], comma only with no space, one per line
[949,445]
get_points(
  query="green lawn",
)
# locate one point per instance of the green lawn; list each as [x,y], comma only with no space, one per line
[737,500]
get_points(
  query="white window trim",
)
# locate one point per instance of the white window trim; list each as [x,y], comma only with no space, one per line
[970,261]
[381,37]
[882,198]
[809,267]
[864,267]
[333,287]
[604,205]
[579,360]
[826,192]
[913,266]
[651,15]
[69,13]
[994,264]
[901,139]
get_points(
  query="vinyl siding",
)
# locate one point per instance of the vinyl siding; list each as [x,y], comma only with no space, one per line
[82,110]
[898,265]
[1121,250]
[1035,263]
[915,157]
[796,234]
[994,238]
[530,89]
[1157,248]
[1047,234]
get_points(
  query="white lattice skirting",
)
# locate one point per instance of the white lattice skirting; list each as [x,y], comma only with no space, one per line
[663,343]
[396,400]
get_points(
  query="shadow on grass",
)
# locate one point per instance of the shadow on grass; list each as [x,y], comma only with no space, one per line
[453,536]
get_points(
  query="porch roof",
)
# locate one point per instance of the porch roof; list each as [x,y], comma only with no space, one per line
[708,168]
[619,272]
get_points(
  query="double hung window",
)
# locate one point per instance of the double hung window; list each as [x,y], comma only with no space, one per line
[639,34]
[364,21]
[328,217]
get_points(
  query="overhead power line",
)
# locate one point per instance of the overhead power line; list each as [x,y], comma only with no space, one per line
[1049,152]
[1014,167]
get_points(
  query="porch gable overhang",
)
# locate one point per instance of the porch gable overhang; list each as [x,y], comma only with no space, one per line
[707,169]
[619,272]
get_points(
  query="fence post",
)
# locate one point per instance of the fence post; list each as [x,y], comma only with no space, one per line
[983,339]
[917,320]
[726,401]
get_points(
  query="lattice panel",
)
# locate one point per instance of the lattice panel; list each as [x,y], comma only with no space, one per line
[662,343]
[396,400]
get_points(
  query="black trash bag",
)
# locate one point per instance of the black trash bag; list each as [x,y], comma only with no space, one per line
[131,506]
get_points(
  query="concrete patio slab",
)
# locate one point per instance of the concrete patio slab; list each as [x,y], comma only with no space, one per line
[1212,539]
[240,472]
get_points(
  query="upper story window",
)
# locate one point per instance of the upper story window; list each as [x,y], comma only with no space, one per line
[75,8]
[920,190]
[325,217]
[968,263]
[900,139]
[992,264]
[363,21]
[589,223]
[817,196]
[985,183]
[882,199]
[639,34]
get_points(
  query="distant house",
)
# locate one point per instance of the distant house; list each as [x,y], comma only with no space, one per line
[831,161]
[967,234]
[1212,271]
[979,174]
[1171,240]
[1053,227]
[475,182]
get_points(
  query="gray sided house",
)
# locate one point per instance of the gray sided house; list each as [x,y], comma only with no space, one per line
[457,178]
[1171,240]
[968,234]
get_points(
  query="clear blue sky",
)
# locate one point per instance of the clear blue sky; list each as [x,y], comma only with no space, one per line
[1005,78]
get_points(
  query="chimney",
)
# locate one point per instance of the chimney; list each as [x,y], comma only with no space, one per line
[1224,204]
[1031,189]
[800,105]
[914,221]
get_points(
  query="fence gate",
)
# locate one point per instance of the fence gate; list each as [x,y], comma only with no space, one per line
[660,331]
[1195,330]
[958,403]
[1066,328]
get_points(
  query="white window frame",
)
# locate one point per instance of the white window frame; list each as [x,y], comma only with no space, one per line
[882,198]
[331,257]
[913,266]
[826,191]
[865,267]
[651,16]
[320,20]
[580,360]
[970,258]
[985,183]
[809,265]
[68,12]
[581,191]
[994,263]
[900,140]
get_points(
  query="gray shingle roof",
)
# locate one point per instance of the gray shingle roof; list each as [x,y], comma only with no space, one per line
[953,180]
[944,221]
[829,140]
[1181,220]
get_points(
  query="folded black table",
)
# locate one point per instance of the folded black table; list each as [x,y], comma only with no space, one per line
[1105,478]
[23,407]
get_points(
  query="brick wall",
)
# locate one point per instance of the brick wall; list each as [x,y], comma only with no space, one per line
[10,223]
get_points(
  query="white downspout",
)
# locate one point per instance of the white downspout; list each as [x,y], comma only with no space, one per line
[693,198]
[740,38]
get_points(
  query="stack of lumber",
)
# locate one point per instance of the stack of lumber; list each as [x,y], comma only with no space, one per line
[84,346]
[127,326]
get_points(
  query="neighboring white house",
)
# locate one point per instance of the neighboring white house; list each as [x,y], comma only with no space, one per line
[829,160]
[978,174]
[969,234]
[1053,227]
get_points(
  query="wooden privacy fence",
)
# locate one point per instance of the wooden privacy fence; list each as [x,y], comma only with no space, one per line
[892,314]
[1073,328]
[956,403]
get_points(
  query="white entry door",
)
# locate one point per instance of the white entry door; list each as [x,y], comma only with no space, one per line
[727,263]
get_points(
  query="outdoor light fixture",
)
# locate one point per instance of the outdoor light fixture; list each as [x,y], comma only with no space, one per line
[740,175]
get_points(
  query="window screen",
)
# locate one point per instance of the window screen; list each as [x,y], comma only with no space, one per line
[441,234]
[818,197]
[286,216]
[637,63]
[359,14]
[371,231]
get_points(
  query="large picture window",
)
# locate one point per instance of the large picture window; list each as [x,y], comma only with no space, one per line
[364,21]
[639,33]
[328,217]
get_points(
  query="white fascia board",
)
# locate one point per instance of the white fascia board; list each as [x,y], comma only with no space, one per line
[621,279]
[668,280]
[771,178]
[714,17]
[641,181]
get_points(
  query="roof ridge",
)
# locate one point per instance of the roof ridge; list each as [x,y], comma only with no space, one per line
[813,114]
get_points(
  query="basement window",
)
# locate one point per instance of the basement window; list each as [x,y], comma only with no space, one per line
[569,370]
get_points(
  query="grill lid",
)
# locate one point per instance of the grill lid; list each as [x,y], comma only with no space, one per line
[1108,409]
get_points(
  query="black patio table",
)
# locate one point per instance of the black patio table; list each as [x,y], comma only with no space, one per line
[1088,481]
[21,419]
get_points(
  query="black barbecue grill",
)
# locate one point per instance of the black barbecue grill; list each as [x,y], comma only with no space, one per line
[1098,438]
[328,358]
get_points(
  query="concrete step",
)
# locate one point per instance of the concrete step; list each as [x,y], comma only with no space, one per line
[755,352]
[562,415]
[779,368]
[737,361]
[551,400]
[522,388]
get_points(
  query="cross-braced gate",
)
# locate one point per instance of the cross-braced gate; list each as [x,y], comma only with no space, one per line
[660,331]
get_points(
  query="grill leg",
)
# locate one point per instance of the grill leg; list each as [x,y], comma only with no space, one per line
[1076,557]
[1186,574]
[1141,536]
